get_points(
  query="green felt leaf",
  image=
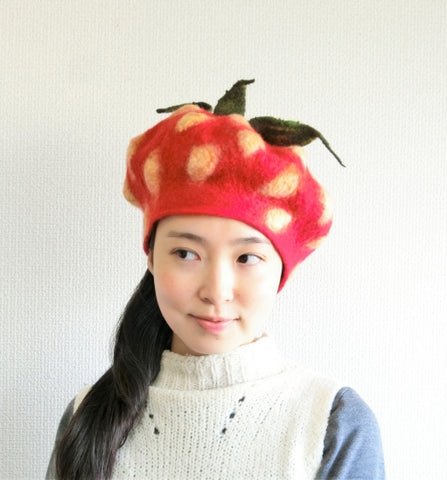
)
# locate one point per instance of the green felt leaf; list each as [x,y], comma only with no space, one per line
[287,132]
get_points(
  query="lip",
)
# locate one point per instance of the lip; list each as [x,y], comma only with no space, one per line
[213,325]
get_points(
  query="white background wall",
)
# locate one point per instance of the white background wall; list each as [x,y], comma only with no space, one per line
[79,79]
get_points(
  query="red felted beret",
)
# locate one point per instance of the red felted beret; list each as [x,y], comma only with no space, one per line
[199,162]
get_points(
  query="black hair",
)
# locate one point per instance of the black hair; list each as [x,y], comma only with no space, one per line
[113,405]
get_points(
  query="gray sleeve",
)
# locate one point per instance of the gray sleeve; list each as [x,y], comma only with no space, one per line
[352,445]
[63,424]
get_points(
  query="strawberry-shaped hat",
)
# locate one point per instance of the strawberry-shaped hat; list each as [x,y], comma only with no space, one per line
[199,161]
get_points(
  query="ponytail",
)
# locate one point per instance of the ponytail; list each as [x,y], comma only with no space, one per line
[102,422]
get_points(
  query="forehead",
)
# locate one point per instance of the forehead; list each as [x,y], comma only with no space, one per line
[208,226]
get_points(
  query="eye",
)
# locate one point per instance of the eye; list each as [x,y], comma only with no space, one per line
[249,259]
[185,254]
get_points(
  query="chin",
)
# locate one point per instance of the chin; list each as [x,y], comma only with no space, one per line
[215,349]
[216,346]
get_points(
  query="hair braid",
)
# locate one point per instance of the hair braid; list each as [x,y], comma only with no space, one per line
[104,419]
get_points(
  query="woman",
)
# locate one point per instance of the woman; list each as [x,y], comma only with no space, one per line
[196,388]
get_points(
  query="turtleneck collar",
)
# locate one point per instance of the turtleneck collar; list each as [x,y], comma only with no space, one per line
[247,363]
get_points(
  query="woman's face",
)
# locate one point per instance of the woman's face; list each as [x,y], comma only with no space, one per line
[216,280]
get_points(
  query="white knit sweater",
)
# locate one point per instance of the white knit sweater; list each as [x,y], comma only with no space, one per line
[240,415]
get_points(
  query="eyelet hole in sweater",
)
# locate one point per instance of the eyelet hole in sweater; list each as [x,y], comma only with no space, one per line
[232,415]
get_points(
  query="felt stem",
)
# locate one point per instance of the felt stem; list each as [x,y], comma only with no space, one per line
[203,105]
[234,99]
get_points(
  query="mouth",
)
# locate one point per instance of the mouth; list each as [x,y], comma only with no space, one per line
[213,324]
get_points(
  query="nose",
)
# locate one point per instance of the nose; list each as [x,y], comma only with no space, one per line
[218,284]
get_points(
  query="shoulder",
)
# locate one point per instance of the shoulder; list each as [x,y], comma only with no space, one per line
[352,445]
[65,420]
[299,376]
[63,425]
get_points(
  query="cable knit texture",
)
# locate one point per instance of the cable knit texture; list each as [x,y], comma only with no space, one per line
[245,414]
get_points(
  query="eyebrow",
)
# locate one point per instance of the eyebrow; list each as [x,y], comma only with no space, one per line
[201,240]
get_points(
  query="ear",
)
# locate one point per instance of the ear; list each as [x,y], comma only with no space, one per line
[150,261]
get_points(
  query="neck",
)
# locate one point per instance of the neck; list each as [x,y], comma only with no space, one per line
[247,363]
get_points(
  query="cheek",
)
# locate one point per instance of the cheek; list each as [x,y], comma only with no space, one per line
[260,295]
[165,284]
[271,279]
[170,289]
